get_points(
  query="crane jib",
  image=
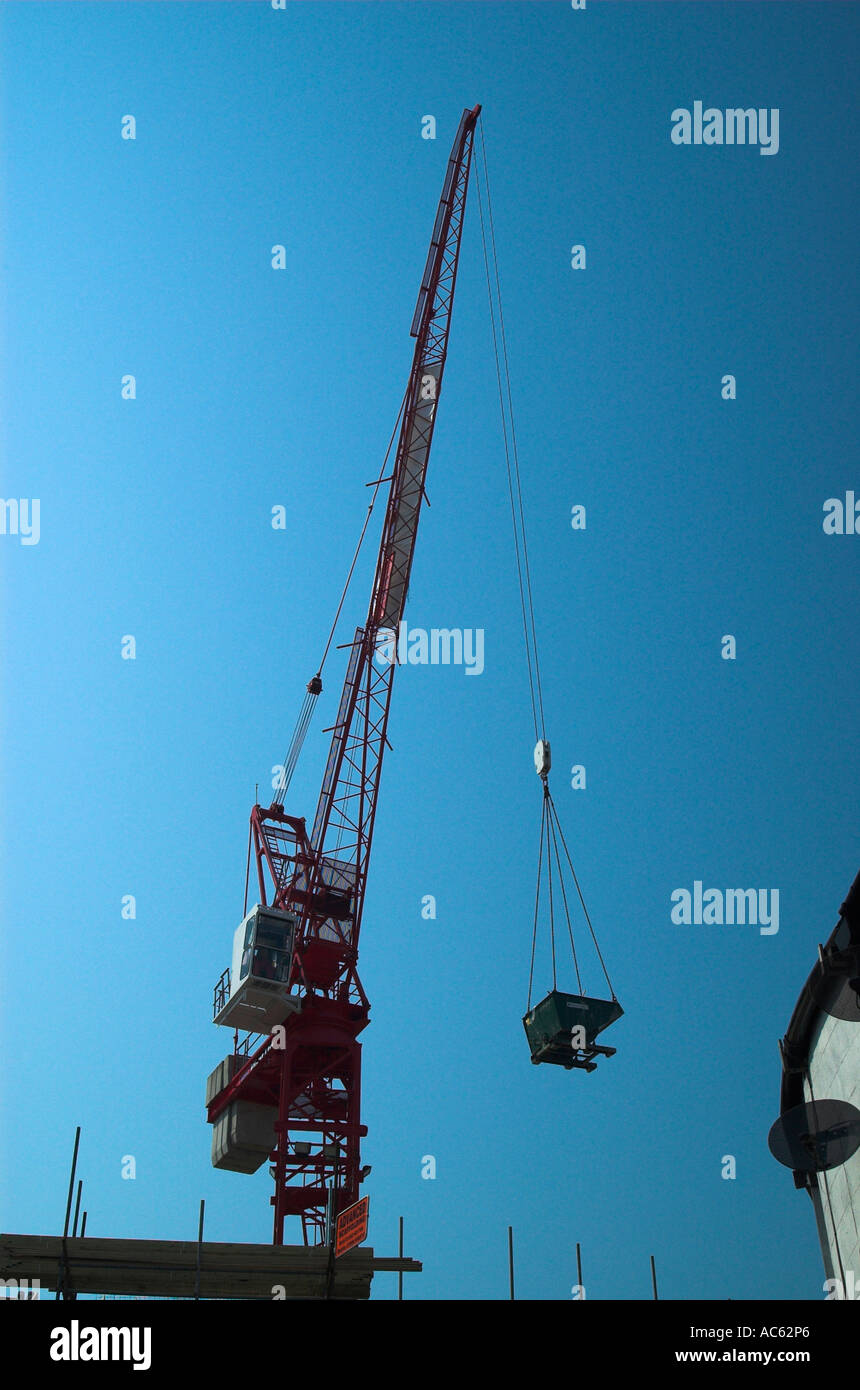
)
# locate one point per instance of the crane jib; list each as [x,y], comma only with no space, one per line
[430,324]
[347,804]
[467,124]
[407,495]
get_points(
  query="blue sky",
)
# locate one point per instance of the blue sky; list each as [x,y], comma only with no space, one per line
[257,388]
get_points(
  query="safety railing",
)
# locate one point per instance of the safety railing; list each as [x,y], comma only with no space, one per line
[222,993]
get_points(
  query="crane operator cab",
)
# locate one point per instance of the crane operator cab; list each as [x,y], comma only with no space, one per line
[255,993]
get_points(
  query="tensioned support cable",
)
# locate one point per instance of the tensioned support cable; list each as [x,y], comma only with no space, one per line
[537,906]
[548,802]
[551,833]
[314,686]
[549,881]
[579,891]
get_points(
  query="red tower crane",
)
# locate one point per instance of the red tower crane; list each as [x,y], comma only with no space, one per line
[294,1098]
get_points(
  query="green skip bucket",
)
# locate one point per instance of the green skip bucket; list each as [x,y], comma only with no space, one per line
[549,1028]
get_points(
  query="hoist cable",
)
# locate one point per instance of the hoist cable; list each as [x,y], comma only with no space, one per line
[520,560]
[513,431]
[549,817]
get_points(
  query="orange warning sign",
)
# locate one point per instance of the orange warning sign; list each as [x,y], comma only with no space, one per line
[351,1227]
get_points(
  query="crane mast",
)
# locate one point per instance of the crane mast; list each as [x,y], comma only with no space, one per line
[307,1072]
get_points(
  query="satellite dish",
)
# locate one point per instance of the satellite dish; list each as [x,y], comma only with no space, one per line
[817,1136]
[837,991]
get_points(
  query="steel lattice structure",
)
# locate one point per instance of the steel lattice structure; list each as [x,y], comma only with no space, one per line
[310,1069]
